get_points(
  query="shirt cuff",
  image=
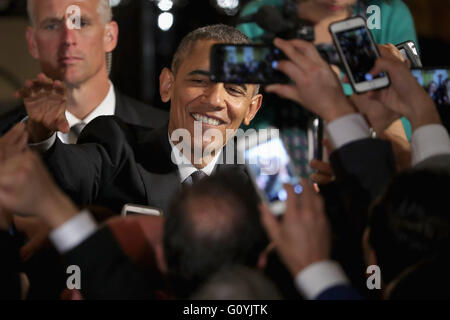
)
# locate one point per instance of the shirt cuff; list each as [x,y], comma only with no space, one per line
[427,141]
[318,277]
[73,232]
[45,145]
[348,129]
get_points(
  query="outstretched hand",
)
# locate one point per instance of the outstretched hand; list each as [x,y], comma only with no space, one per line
[316,86]
[45,102]
[26,188]
[303,236]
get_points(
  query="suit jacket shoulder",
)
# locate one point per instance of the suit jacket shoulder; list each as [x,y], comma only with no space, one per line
[9,119]
[115,163]
[137,113]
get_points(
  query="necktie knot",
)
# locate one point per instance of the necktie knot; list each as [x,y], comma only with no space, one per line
[77,128]
[75,132]
[194,177]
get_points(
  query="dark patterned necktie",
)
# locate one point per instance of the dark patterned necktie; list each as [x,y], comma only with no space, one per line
[76,131]
[194,177]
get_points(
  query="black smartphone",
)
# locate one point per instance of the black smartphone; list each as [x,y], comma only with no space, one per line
[409,51]
[243,63]
[358,53]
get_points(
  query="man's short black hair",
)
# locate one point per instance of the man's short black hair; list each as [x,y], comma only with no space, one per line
[216,32]
[212,224]
[410,221]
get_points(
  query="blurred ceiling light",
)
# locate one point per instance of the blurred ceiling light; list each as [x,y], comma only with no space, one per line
[165,5]
[228,4]
[165,21]
[114,3]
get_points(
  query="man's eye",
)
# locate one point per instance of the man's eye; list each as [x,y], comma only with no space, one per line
[51,26]
[236,91]
[199,81]
[84,23]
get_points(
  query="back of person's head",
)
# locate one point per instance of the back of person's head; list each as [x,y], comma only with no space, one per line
[209,225]
[217,32]
[410,221]
[237,283]
[426,280]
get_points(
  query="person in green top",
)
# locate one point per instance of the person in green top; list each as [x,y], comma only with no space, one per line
[394,20]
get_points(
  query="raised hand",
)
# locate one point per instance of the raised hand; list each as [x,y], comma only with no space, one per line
[303,236]
[26,188]
[316,85]
[45,102]
[405,96]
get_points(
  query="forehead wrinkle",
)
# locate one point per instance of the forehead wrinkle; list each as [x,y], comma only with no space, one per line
[82,4]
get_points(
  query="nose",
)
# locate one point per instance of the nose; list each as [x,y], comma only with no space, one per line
[69,35]
[214,95]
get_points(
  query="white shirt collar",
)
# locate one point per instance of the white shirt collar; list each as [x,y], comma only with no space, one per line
[185,167]
[106,108]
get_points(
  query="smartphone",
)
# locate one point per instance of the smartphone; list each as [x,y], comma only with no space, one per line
[358,53]
[129,209]
[436,82]
[269,167]
[244,63]
[409,52]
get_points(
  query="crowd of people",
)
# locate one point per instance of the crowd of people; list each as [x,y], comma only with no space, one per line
[70,159]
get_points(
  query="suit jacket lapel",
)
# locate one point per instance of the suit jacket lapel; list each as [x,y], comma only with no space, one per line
[121,110]
[160,174]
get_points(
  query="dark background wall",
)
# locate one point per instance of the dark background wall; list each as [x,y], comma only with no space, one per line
[144,49]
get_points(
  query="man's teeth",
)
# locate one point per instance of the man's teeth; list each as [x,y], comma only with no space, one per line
[205,119]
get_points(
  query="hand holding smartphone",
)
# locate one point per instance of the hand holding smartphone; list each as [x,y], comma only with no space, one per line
[270,167]
[358,53]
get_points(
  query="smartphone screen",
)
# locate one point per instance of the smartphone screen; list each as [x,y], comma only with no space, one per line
[246,64]
[270,167]
[359,52]
[436,82]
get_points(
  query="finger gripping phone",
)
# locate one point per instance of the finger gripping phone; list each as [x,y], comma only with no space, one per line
[358,53]
[409,51]
[245,63]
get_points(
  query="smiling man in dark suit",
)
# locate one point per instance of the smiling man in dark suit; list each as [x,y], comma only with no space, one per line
[77,57]
[116,163]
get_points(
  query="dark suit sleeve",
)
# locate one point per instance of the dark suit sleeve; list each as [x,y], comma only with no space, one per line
[82,170]
[106,272]
[8,120]
[363,169]
[369,163]
[10,283]
[341,292]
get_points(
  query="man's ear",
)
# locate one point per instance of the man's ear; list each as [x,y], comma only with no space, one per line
[31,41]
[253,109]
[166,81]
[111,36]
